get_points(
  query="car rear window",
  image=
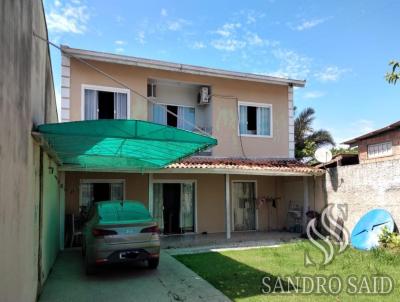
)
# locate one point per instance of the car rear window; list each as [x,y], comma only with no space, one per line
[122,211]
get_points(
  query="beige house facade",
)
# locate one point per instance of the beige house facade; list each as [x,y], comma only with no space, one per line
[250,181]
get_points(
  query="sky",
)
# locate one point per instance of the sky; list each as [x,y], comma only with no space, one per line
[342,48]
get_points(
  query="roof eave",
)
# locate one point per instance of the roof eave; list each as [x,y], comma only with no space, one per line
[184,68]
[261,172]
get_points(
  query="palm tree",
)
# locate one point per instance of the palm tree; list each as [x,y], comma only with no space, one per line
[306,139]
[394,75]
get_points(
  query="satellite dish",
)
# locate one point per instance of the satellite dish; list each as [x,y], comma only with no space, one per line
[323,155]
[365,234]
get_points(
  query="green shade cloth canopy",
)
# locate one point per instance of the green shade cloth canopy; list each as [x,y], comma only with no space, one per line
[121,144]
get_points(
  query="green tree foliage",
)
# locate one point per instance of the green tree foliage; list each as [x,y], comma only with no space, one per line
[394,75]
[341,150]
[307,140]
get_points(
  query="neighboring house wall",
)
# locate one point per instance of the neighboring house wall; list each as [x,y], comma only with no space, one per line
[390,136]
[27,99]
[224,112]
[50,216]
[365,187]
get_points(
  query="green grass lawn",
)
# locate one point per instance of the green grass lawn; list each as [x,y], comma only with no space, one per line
[239,274]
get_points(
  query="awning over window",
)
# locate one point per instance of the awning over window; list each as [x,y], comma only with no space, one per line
[121,144]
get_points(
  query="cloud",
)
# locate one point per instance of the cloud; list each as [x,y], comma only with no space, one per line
[308,24]
[120,20]
[164,12]
[228,44]
[198,45]
[120,42]
[176,25]
[313,95]
[71,17]
[228,29]
[228,38]
[254,39]
[331,73]
[236,36]
[141,37]
[250,16]
[292,64]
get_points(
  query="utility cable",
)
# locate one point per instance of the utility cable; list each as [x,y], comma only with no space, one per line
[120,83]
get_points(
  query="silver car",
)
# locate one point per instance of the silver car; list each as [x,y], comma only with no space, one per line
[120,231]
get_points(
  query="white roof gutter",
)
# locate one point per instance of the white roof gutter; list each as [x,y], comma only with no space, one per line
[191,69]
[265,172]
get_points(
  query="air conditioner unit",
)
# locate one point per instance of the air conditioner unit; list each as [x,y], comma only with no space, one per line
[204,96]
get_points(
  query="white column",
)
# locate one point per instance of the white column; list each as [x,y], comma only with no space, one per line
[227,207]
[305,201]
[150,188]
[291,121]
[65,88]
[61,191]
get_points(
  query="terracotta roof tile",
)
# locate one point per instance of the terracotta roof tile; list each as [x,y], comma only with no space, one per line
[278,165]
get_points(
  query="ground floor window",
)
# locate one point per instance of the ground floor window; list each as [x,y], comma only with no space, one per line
[94,191]
[174,206]
[243,203]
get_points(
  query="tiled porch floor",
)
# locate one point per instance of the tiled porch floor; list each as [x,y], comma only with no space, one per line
[190,243]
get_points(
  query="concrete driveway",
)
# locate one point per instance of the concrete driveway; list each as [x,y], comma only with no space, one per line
[172,281]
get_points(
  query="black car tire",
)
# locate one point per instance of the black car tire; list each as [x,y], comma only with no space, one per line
[153,263]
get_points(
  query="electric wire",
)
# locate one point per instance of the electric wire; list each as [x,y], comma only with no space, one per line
[119,82]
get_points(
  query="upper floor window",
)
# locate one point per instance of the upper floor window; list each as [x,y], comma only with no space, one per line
[182,117]
[105,103]
[255,119]
[380,150]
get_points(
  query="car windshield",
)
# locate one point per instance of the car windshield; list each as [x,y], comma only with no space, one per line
[118,211]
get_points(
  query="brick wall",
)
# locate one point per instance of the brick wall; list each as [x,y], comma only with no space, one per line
[365,187]
[393,136]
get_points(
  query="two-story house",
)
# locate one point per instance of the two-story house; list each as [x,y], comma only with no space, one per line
[250,181]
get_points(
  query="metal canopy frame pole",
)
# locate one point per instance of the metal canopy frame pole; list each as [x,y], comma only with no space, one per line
[305,201]
[227,207]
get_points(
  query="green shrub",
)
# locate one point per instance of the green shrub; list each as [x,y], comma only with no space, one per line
[389,239]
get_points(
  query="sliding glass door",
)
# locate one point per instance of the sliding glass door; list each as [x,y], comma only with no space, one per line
[243,202]
[174,206]
[187,207]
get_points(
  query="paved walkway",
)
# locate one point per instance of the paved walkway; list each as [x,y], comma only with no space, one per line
[199,243]
[172,281]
